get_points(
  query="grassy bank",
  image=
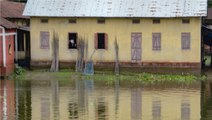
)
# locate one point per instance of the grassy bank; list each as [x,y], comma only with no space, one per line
[109,78]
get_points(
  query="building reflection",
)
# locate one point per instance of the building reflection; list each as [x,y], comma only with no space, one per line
[136,104]
[185,110]
[23,100]
[73,110]
[53,100]
[45,101]
[101,109]
[45,106]
[206,100]
[156,108]
[81,101]
[7,97]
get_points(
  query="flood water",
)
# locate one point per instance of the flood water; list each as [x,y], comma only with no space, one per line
[87,100]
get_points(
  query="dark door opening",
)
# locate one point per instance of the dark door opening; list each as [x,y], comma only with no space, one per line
[24,54]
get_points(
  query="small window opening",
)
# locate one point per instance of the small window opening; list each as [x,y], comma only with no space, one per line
[73,21]
[136,21]
[101,21]
[101,41]
[10,49]
[185,21]
[156,21]
[44,20]
[72,44]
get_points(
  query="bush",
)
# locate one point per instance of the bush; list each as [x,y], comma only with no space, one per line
[19,70]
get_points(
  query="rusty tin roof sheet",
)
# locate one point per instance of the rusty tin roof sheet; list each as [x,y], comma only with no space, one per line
[12,9]
[116,8]
[7,24]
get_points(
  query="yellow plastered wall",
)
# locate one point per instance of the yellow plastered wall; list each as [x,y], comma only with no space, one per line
[170,29]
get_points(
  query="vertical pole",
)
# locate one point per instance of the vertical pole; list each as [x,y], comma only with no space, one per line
[211,59]
[4,46]
[16,48]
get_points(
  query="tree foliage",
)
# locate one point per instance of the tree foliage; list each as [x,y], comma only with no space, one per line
[23,1]
[209,3]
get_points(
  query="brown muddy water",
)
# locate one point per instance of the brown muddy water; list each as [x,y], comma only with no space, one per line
[89,100]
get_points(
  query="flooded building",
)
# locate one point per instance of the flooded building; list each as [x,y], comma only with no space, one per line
[12,11]
[156,33]
[7,39]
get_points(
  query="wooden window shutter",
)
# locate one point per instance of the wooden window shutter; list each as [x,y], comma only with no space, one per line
[159,41]
[44,40]
[156,41]
[96,40]
[106,41]
[185,41]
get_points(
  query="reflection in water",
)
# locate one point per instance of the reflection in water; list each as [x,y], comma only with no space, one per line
[156,109]
[73,111]
[206,100]
[7,97]
[84,100]
[135,104]
[55,99]
[185,110]
[45,107]
[23,100]
[45,102]
[116,98]
[101,109]
[80,85]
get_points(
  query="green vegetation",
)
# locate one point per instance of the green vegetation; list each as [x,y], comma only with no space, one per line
[209,3]
[19,73]
[145,78]
[24,1]
[110,78]
[208,61]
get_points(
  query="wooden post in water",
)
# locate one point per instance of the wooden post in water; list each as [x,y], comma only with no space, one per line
[117,57]
[80,57]
[55,56]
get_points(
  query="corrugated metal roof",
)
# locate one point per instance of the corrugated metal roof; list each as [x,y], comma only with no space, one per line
[116,8]
[7,24]
[12,9]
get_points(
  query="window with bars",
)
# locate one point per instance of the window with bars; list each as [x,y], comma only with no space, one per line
[44,40]
[101,21]
[10,49]
[72,41]
[156,41]
[44,20]
[101,41]
[156,21]
[136,21]
[72,21]
[185,41]
[185,21]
